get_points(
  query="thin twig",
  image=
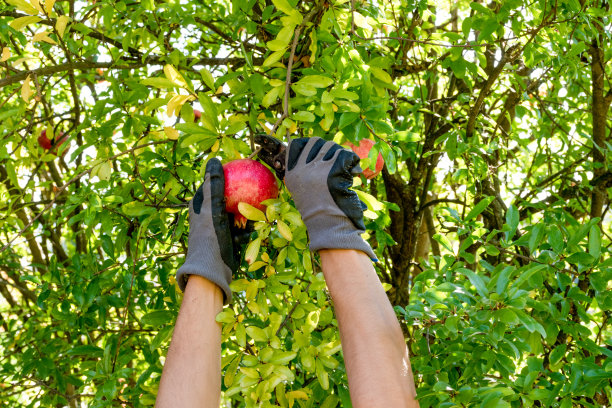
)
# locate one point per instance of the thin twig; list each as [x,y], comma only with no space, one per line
[296,37]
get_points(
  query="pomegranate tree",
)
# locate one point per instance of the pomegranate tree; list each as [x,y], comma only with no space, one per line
[250,182]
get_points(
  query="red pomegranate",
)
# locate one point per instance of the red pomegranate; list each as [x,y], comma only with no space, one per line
[196,115]
[363,150]
[44,141]
[250,182]
[49,144]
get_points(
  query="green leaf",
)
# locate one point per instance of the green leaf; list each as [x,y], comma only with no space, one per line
[444,241]
[304,116]
[283,6]
[273,58]
[283,357]
[208,79]
[21,22]
[487,29]
[595,242]
[158,318]
[557,354]
[159,82]
[476,280]
[478,208]
[256,333]
[502,280]
[277,45]
[250,255]
[250,212]
[512,220]
[303,89]
[284,230]
[525,274]
[389,157]
[271,96]
[136,209]
[371,201]
[530,323]
[316,81]
[347,118]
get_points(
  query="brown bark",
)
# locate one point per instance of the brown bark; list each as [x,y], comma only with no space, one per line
[599,112]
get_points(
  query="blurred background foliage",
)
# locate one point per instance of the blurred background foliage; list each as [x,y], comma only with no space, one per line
[491,219]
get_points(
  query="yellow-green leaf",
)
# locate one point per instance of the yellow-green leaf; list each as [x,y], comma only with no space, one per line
[313,46]
[277,45]
[273,58]
[250,212]
[171,132]
[61,24]
[49,6]
[270,97]
[361,21]
[284,230]
[37,6]
[26,90]
[21,22]
[297,395]
[283,5]
[381,74]
[252,250]
[44,37]
[173,75]
[317,81]
[176,103]
[6,54]
[371,201]
[256,333]
[23,5]
[257,265]
[230,372]
[208,78]
[104,170]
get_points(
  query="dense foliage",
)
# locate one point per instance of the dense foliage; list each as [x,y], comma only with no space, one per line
[491,220]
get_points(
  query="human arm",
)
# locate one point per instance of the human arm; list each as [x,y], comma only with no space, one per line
[192,372]
[375,354]
[191,375]
[319,175]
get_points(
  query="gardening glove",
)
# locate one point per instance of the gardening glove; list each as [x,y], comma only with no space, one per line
[319,175]
[213,250]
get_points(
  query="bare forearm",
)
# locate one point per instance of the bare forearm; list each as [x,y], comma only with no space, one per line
[375,353]
[192,373]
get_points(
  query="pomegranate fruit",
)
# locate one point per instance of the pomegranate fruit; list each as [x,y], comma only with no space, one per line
[49,144]
[44,141]
[363,150]
[250,182]
[196,115]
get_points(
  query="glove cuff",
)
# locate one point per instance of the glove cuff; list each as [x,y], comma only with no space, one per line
[216,272]
[336,232]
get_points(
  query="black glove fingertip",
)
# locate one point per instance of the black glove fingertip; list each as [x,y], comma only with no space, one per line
[295,150]
[197,200]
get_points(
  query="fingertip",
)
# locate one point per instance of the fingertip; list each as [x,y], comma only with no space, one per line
[214,166]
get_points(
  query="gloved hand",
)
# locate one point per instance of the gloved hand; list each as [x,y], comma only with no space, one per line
[213,250]
[319,175]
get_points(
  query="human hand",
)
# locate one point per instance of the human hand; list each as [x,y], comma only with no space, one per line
[319,175]
[213,250]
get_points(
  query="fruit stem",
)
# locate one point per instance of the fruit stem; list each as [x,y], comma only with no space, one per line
[255,152]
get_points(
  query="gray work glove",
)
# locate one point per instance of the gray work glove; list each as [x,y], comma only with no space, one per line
[213,250]
[319,175]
